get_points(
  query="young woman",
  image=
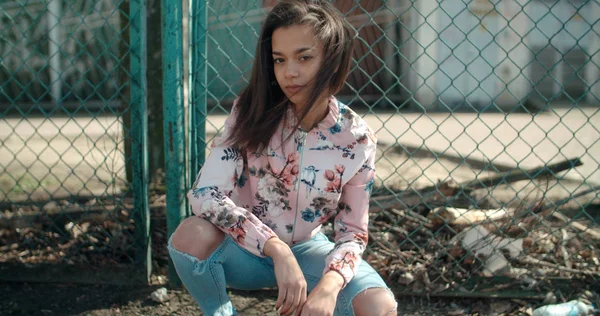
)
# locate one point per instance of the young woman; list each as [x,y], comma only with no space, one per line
[291,157]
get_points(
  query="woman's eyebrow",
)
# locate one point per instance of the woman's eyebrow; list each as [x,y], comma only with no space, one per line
[298,51]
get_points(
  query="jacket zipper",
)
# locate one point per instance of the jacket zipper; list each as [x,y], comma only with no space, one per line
[303,136]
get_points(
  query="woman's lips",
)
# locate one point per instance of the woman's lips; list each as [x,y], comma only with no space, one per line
[293,89]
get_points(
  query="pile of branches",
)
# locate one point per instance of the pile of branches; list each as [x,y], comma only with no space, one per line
[440,238]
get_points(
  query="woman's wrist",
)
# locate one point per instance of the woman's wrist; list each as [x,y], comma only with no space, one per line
[276,248]
[332,281]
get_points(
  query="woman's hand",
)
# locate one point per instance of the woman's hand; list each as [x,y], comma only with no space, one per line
[290,280]
[322,299]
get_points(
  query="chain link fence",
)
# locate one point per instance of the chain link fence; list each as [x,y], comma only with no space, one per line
[487,116]
[72,73]
[486,112]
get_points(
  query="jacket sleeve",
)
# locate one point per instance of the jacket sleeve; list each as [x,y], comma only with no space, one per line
[351,221]
[210,196]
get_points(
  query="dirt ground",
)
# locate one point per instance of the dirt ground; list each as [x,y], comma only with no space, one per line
[104,300]
[20,298]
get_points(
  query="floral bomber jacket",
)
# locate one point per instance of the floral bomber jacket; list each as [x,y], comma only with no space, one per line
[292,188]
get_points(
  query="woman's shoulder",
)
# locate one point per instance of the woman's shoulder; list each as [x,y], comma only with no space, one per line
[352,123]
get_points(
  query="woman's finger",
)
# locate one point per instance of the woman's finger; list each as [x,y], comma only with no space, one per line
[300,301]
[287,307]
[294,303]
[280,299]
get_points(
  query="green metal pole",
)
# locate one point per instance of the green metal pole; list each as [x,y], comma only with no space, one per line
[139,135]
[198,85]
[173,111]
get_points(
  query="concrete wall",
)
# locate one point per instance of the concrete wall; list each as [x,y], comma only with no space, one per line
[487,53]
[419,50]
[564,30]
[514,55]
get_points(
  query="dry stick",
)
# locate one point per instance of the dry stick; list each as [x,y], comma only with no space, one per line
[411,197]
[592,232]
[567,199]
[531,260]
[579,226]
[563,248]
[544,207]
[439,194]
[415,217]
[499,287]
[404,233]
[519,174]
[384,248]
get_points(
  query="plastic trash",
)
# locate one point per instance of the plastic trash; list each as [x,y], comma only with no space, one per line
[160,295]
[570,308]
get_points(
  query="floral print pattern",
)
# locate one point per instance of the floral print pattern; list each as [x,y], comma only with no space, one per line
[296,185]
[334,179]
[324,144]
[273,188]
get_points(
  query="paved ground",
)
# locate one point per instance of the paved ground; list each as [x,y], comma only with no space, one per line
[506,140]
[85,154]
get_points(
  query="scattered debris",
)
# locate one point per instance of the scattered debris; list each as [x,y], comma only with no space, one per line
[160,295]
[429,240]
[571,308]
[439,241]
[500,307]
[481,242]
[468,217]
[406,278]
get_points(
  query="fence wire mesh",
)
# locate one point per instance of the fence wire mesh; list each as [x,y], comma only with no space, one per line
[486,113]
[69,81]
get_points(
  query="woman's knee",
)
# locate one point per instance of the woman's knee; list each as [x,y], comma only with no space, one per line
[375,301]
[197,237]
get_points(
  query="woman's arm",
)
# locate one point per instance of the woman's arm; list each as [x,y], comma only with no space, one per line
[211,192]
[351,222]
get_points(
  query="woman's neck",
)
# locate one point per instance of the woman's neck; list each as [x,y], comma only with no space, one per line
[313,117]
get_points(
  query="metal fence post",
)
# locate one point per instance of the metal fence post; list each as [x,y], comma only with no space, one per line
[198,85]
[174,139]
[56,39]
[139,134]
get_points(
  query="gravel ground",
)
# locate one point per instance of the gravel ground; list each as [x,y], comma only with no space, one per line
[104,300]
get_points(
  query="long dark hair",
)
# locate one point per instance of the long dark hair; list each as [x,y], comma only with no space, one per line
[262,104]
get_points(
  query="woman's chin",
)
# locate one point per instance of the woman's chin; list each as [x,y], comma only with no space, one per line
[295,99]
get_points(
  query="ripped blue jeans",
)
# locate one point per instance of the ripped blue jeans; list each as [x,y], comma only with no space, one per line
[232,266]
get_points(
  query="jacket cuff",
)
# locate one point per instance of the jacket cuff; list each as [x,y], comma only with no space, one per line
[343,262]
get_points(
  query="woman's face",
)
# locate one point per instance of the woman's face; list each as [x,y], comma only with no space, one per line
[297,57]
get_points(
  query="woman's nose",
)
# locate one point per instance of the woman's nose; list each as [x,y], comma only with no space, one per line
[291,71]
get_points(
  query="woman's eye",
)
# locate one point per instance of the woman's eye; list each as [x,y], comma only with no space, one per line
[277,60]
[305,57]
